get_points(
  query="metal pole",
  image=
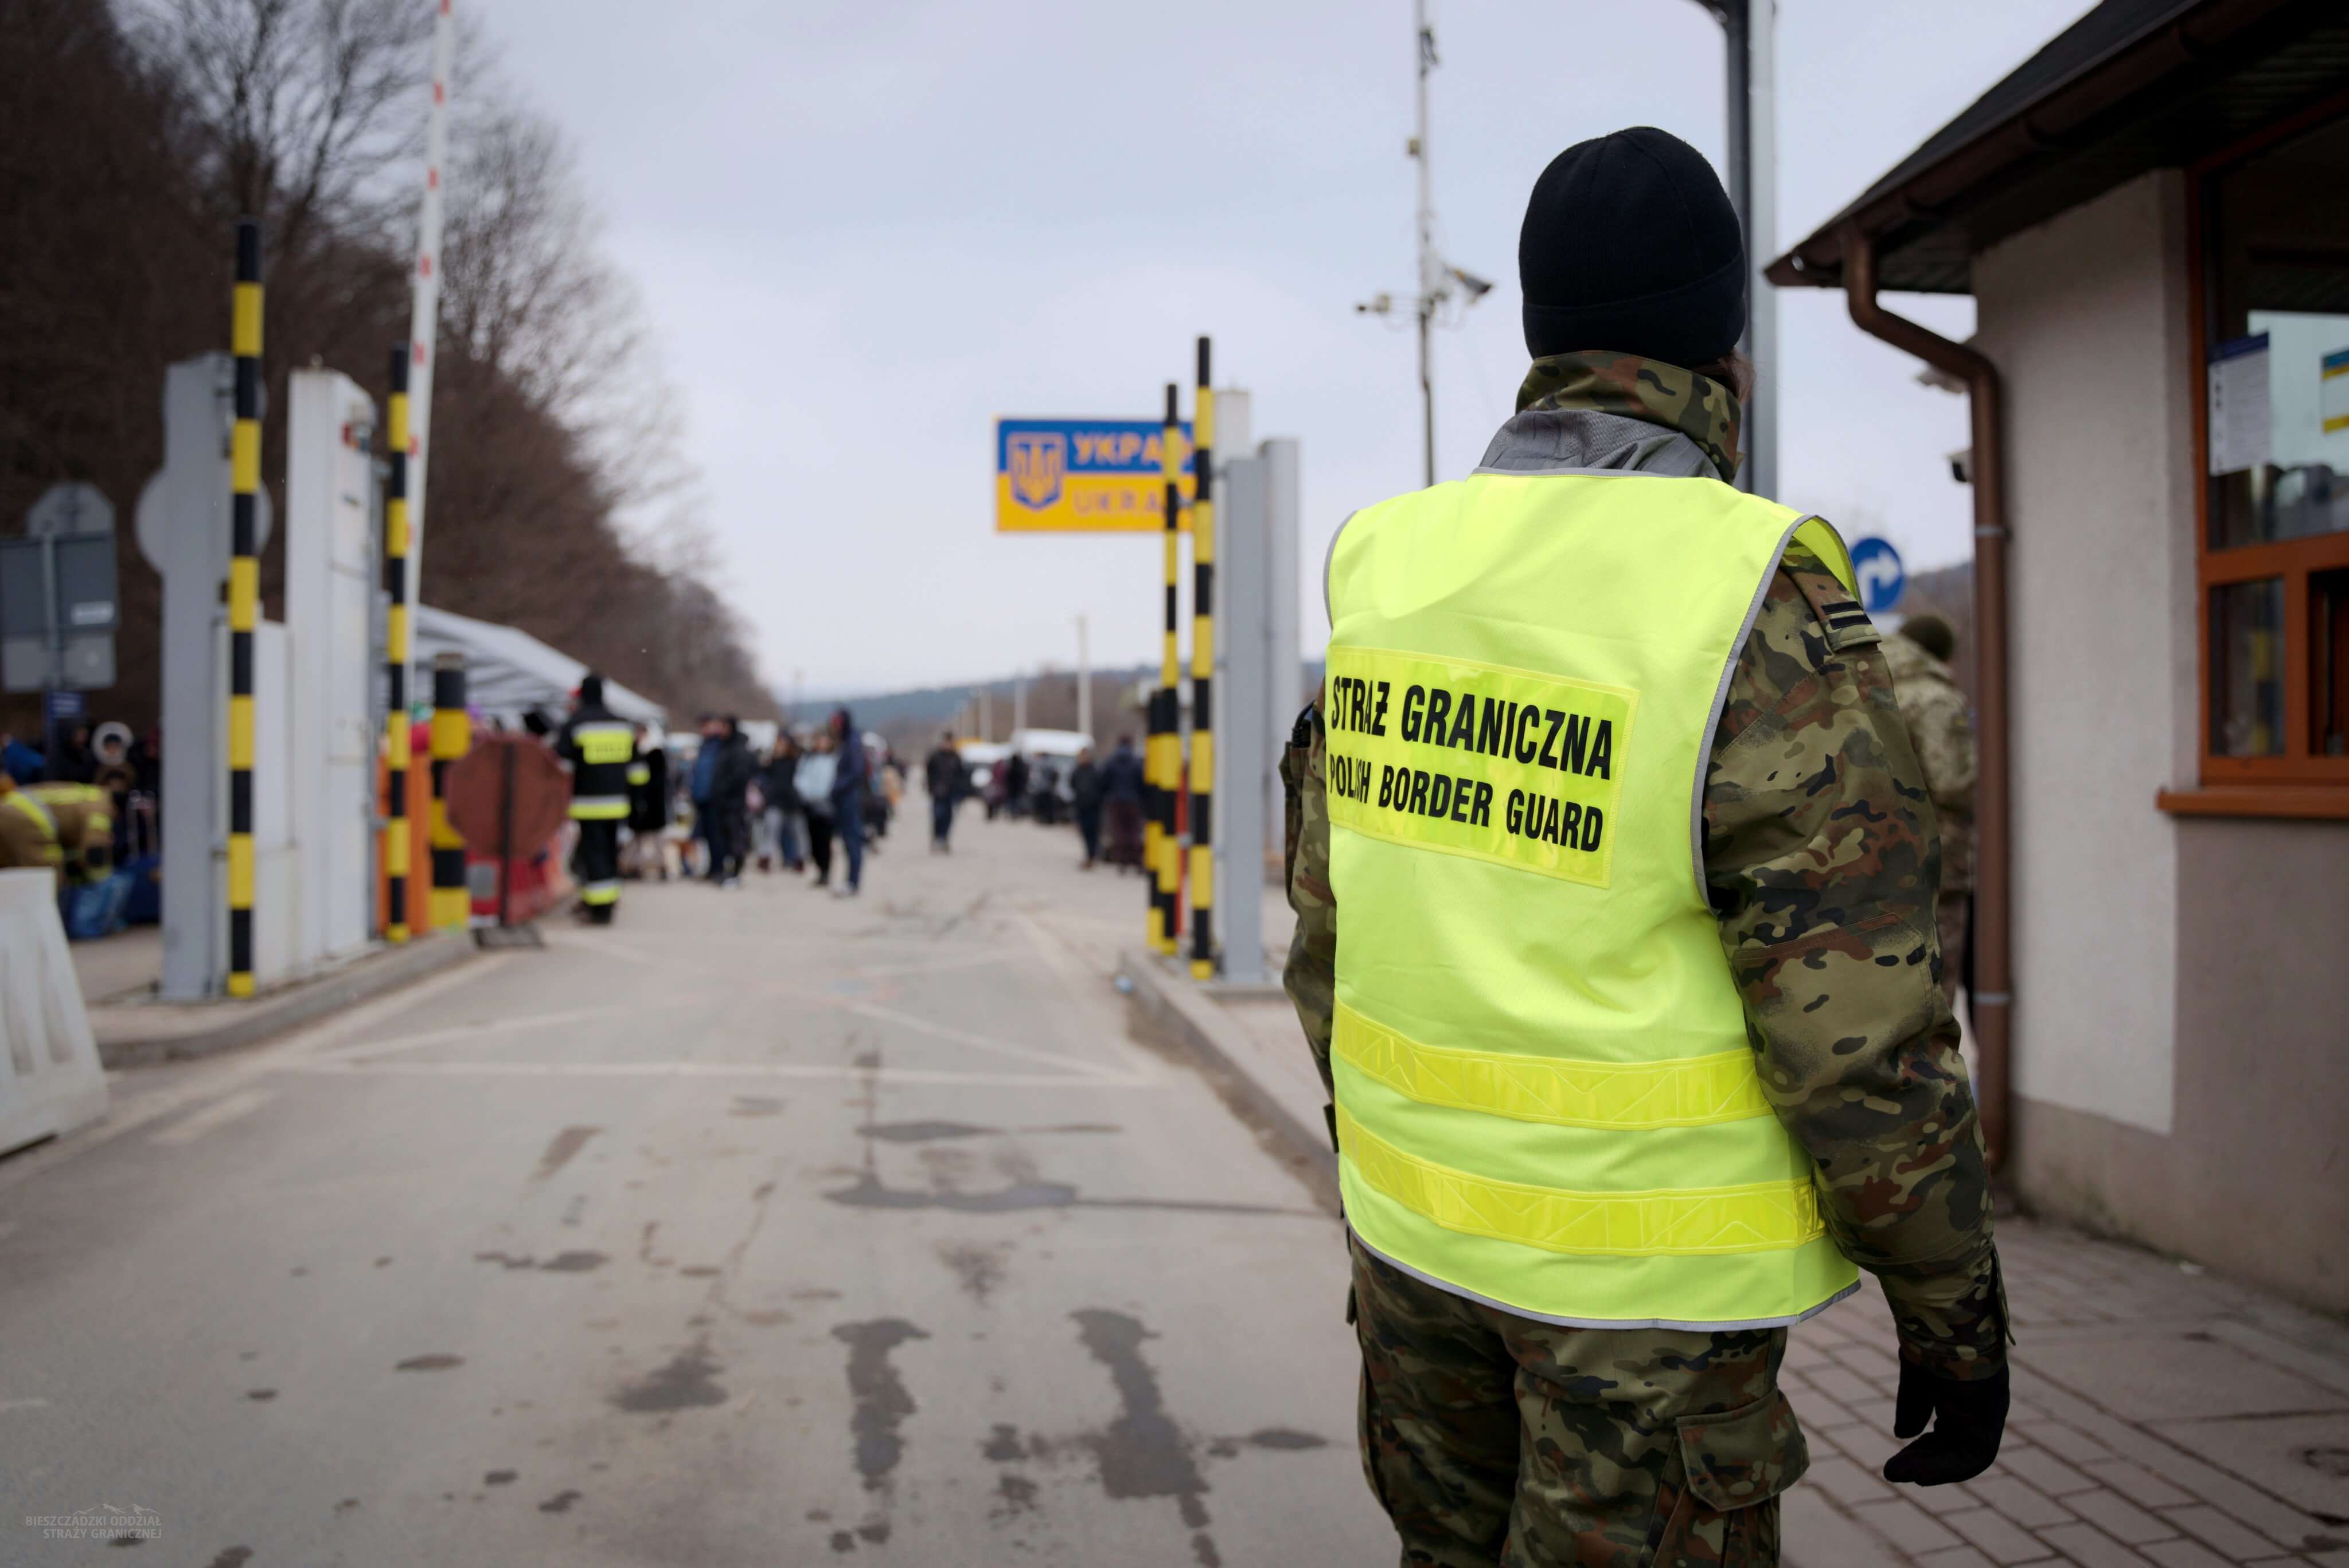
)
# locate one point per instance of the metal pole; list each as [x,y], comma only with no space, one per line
[1085,681]
[1749,29]
[1202,670]
[424,300]
[452,737]
[396,539]
[243,598]
[1423,41]
[54,678]
[1761,244]
[1019,703]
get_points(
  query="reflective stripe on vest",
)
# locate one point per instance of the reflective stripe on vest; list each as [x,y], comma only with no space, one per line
[598,807]
[1547,1098]
[52,853]
[603,742]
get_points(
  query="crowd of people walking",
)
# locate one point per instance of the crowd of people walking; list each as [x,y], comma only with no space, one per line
[813,800]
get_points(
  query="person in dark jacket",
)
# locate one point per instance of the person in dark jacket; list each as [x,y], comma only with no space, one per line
[778,784]
[1122,801]
[942,770]
[647,812]
[20,761]
[729,801]
[1015,785]
[849,782]
[700,785]
[1087,788]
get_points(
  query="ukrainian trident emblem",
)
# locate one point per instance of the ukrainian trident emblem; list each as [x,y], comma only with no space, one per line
[1038,459]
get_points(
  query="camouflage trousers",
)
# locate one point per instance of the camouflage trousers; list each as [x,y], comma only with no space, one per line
[1491,1438]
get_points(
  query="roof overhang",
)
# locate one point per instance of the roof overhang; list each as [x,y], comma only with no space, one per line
[2134,84]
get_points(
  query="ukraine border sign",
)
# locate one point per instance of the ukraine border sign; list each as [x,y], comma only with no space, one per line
[1084,476]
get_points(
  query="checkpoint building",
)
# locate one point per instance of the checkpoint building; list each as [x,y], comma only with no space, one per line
[2152,216]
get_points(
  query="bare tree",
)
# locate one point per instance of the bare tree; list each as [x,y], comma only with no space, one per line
[302,108]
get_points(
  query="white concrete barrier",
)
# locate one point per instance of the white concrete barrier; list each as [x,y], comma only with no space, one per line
[50,1082]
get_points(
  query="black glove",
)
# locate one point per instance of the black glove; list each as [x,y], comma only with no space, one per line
[1968,1418]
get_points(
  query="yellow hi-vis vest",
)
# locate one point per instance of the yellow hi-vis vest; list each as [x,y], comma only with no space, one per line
[1546,1099]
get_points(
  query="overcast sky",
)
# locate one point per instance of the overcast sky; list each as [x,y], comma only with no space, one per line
[864,231]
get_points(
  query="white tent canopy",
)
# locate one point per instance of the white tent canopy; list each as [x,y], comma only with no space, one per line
[509,673]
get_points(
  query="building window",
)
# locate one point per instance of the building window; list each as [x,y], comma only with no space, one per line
[2273,223]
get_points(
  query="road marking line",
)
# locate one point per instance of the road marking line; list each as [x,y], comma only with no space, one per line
[978,1042]
[479,1029]
[1084,986]
[7,1405]
[210,1080]
[219,1114]
[344,1068]
[600,946]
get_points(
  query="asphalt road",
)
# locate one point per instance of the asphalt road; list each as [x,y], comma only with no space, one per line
[758,1229]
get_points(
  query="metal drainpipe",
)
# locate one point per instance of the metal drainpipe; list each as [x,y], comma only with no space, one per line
[1993,885]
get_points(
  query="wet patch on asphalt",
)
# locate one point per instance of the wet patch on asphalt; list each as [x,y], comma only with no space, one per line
[574,1262]
[440,1362]
[756,1106]
[231,1557]
[559,1502]
[499,1478]
[261,1395]
[922,1132]
[1143,1453]
[689,1382]
[976,1269]
[1283,1440]
[560,1150]
[1016,1495]
[879,1405]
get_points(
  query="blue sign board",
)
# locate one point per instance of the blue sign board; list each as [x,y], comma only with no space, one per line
[1876,568]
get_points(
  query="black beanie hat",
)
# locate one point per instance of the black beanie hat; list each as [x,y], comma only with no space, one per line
[1630,243]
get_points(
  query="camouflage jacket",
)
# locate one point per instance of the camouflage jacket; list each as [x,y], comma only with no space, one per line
[1822,863]
[1944,733]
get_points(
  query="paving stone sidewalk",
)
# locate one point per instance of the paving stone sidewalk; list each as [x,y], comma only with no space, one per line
[2164,1417]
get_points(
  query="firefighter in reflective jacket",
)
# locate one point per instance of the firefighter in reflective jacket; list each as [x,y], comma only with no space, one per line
[600,748]
[68,829]
[84,815]
[28,832]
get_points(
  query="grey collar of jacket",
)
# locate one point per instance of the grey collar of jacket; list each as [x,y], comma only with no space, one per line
[1586,440]
[1574,441]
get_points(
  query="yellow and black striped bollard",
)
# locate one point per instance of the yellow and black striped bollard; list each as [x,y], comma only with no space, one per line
[395,629]
[243,598]
[1166,767]
[1203,672]
[452,737]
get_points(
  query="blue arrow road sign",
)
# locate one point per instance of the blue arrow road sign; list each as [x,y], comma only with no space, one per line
[1877,566]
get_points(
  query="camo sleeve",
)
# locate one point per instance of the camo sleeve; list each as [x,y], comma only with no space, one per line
[1822,860]
[1310,976]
